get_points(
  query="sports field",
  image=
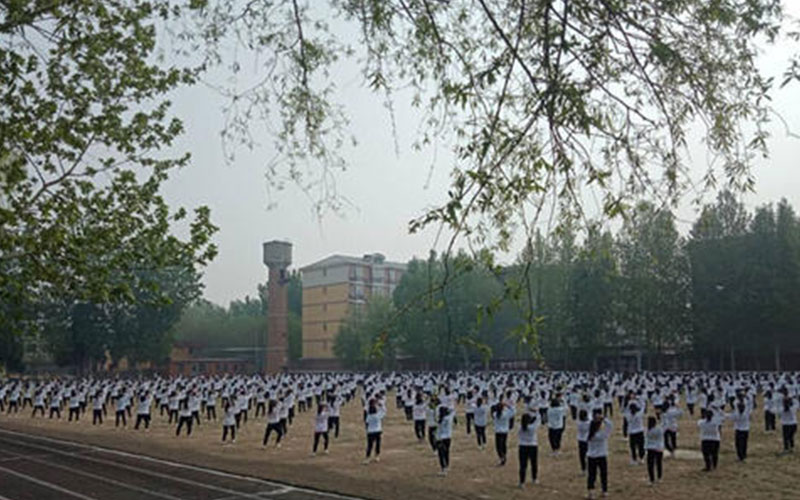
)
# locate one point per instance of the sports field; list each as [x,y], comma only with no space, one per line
[407,470]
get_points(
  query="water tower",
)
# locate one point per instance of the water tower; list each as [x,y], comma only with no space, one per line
[277,257]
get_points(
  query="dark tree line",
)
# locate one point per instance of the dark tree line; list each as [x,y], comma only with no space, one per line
[725,296]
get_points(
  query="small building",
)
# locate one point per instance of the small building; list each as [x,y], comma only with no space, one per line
[331,288]
[194,359]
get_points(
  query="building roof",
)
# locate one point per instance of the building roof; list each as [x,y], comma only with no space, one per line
[337,259]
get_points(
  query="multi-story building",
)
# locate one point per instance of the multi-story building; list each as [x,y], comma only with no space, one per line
[334,285]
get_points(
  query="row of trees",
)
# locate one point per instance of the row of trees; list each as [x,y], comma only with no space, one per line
[725,295]
[243,324]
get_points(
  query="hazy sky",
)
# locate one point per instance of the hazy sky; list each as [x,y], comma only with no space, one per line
[386,190]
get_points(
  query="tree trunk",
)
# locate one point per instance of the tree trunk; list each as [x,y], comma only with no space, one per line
[777,357]
[733,359]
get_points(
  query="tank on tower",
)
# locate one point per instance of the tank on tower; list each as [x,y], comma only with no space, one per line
[277,257]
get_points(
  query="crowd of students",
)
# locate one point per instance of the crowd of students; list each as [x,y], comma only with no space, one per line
[651,406]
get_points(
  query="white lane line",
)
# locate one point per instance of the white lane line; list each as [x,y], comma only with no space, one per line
[263,494]
[234,493]
[46,484]
[4,498]
[99,478]
[181,465]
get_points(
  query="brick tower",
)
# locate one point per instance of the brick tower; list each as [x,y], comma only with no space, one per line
[277,257]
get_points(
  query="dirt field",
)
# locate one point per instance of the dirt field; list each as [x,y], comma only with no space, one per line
[408,469]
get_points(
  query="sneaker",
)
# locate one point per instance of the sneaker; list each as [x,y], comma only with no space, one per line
[365,462]
[442,472]
[327,452]
[377,459]
[521,486]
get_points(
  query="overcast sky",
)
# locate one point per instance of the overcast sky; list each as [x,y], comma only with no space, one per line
[386,190]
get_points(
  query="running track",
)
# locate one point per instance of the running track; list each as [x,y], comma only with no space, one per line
[40,468]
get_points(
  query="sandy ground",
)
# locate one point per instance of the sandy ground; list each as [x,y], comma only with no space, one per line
[408,469]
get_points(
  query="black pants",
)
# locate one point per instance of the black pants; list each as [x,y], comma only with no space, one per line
[374,439]
[97,416]
[690,406]
[501,446]
[39,408]
[710,449]
[324,436]
[769,421]
[671,441]
[432,437]
[624,427]
[595,463]
[788,436]
[409,411]
[480,434]
[573,411]
[211,412]
[261,409]
[55,410]
[120,415]
[273,427]
[528,454]
[188,422]
[654,464]
[173,414]
[443,447]
[142,418]
[470,420]
[419,429]
[554,436]
[196,416]
[225,429]
[608,410]
[741,444]
[74,411]
[333,424]
[13,405]
[543,416]
[636,442]
[290,415]
[582,447]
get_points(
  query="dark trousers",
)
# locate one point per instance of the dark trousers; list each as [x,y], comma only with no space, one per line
[54,410]
[419,429]
[573,411]
[211,412]
[324,436]
[140,419]
[74,411]
[788,436]
[225,429]
[97,417]
[554,436]
[374,439]
[741,444]
[671,441]
[333,423]
[501,445]
[710,449]
[654,464]
[409,412]
[443,447]
[480,434]
[470,420]
[261,409]
[120,414]
[690,406]
[39,408]
[595,463]
[608,410]
[769,421]
[432,437]
[270,428]
[173,414]
[636,442]
[528,454]
[181,422]
[582,447]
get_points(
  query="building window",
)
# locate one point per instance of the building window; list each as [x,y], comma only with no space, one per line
[324,327]
[324,271]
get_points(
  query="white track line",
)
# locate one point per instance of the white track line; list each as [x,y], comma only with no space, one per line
[182,466]
[234,493]
[4,498]
[99,478]
[46,484]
